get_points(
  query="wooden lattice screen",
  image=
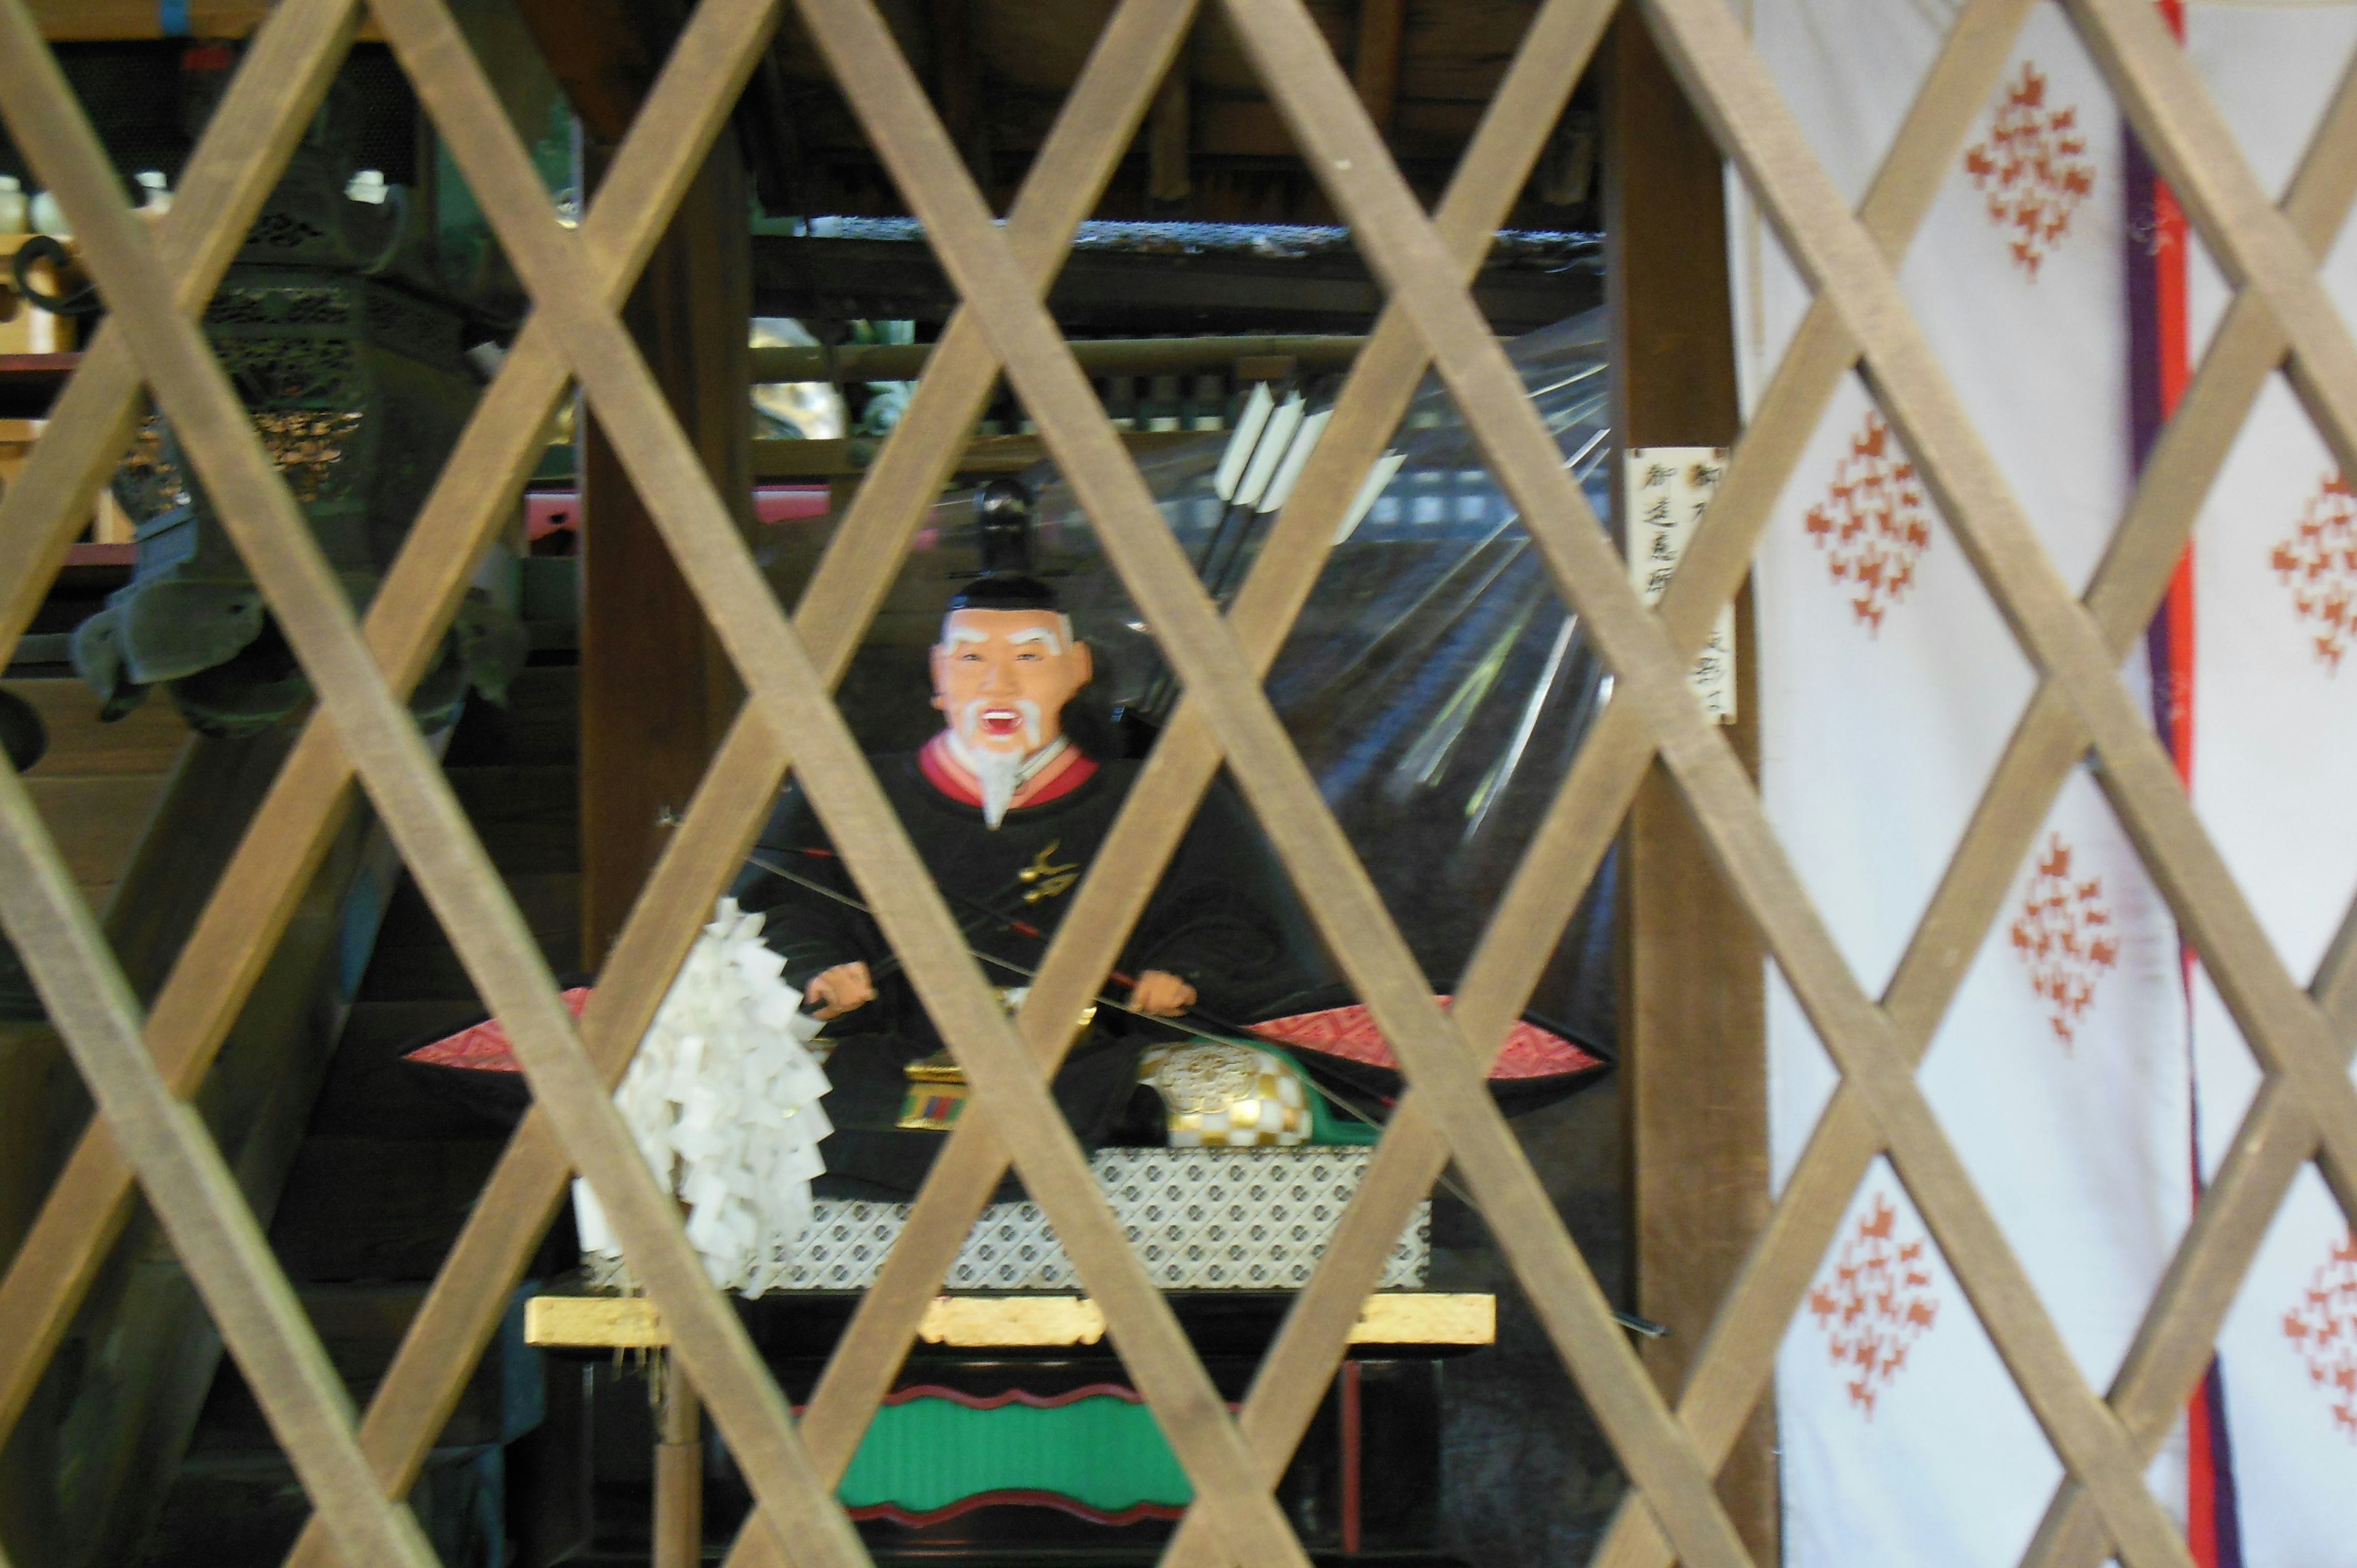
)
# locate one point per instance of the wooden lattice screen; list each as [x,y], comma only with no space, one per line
[141,1072]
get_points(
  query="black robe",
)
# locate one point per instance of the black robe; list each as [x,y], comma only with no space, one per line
[1224,918]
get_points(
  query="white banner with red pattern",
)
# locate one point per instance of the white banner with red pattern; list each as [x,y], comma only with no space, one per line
[1888,686]
[2275,764]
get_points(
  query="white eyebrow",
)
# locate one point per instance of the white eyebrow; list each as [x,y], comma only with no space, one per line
[953,635]
[1036,634]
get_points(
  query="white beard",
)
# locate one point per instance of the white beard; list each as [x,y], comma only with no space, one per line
[1000,774]
[997,772]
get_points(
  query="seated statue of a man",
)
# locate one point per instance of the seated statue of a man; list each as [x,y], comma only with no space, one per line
[1008,805]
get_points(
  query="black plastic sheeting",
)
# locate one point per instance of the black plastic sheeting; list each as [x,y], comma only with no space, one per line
[1437,683]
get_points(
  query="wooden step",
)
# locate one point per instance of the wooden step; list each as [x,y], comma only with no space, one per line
[361,1325]
[378,1210]
[371,1093]
[414,959]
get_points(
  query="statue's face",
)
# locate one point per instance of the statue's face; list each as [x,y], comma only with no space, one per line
[1001,678]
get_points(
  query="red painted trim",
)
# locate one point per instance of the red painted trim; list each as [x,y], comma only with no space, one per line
[555,511]
[1134,1514]
[943,772]
[789,503]
[933,762]
[1351,1452]
[915,1392]
[102,555]
[2171,239]
[2210,1538]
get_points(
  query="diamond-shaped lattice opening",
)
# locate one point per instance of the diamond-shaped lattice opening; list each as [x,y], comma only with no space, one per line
[1434,683]
[2274,82]
[2274,558]
[2291,1345]
[1885,1324]
[2060,1068]
[1513,1421]
[1919,716]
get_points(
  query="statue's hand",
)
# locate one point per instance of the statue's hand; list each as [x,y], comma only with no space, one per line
[839,990]
[1163,995]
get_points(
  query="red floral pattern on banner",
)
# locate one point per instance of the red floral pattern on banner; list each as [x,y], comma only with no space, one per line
[1875,1303]
[485,1048]
[2064,935]
[2032,169]
[1350,1033]
[2319,564]
[2322,1327]
[1872,524]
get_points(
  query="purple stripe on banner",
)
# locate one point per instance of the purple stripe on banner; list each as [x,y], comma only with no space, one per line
[2145,415]
[2222,1467]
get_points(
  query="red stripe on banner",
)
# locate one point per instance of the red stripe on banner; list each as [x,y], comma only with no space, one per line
[2213,1533]
[2174,369]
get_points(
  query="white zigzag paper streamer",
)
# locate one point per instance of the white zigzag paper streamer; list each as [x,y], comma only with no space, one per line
[723,1099]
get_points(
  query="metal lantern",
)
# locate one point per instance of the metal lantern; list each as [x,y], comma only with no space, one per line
[349,363]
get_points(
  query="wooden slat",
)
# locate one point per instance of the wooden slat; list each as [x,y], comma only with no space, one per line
[1733,1363]
[2046,746]
[1858,1035]
[776,667]
[1010,1322]
[417,809]
[2279,1023]
[1271,772]
[2282,1027]
[679,119]
[223,956]
[734,799]
[2016,552]
[286,73]
[186,1179]
[2173,1345]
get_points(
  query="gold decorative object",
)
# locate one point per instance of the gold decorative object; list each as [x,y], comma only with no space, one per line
[936,1094]
[1228,1095]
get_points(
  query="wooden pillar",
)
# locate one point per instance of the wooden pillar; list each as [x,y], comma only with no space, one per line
[657,692]
[1694,1075]
[679,1473]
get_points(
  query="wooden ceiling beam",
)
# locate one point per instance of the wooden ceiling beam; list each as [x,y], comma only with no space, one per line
[1118,292]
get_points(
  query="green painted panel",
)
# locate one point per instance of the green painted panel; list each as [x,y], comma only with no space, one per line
[927,1454]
